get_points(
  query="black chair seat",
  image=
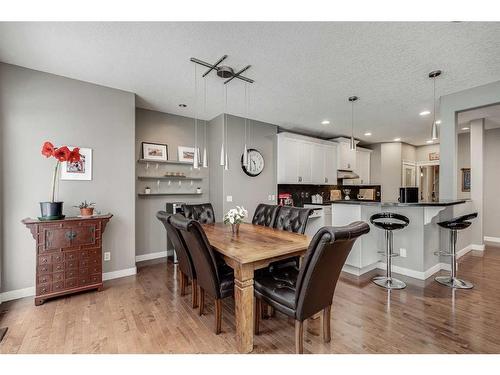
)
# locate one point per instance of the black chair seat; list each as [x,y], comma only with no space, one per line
[389,221]
[276,290]
[226,274]
[458,223]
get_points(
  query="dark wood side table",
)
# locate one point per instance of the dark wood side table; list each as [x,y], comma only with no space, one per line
[68,255]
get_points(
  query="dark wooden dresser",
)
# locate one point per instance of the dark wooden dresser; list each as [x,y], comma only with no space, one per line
[68,255]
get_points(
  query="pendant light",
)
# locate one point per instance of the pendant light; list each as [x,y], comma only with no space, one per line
[205,160]
[352,99]
[245,150]
[196,151]
[434,129]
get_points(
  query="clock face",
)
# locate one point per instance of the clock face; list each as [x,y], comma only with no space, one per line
[255,163]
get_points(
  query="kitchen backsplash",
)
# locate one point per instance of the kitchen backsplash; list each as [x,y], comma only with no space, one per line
[301,194]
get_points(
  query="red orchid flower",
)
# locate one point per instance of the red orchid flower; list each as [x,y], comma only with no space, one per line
[74,155]
[48,149]
[62,153]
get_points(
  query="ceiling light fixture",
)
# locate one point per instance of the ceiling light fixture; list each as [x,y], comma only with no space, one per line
[368,134]
[438,122]
[465,128]
[434,129]
[425,113]
[325,122]
[352,99]
[429,141]
[397,139]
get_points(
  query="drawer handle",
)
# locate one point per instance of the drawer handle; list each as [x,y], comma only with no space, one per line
[70,235]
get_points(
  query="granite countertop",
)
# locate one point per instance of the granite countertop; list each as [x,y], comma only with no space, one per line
[441,203]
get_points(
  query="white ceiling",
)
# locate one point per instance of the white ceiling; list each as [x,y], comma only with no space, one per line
[491,114]
[304,72]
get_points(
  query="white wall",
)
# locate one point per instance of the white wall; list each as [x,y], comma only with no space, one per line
[36,107]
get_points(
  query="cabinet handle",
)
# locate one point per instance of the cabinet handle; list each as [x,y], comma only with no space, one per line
[70,235]
[326,179]
[300,179]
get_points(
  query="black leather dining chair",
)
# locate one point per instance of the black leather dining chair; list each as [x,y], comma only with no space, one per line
[185,263]
[265,214]
[214,277]
[292,219]
[203,213]
[301,293]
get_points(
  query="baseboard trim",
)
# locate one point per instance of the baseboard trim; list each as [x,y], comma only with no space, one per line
[492,239]
[120,273]
[357,271]
[29,292]
[150,256]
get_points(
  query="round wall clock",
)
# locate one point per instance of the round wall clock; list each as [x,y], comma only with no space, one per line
[255,163]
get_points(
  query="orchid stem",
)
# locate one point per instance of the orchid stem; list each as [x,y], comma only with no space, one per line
[54,179]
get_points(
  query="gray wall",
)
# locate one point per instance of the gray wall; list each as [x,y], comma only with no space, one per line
[158,127]
[216,170]
[35,107]
[246,191]
[491,183]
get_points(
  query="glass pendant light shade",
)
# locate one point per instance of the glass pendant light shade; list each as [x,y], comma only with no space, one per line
[222,154]
[353,144]
[205,160]
[245,156]
[434,128]
[196,159]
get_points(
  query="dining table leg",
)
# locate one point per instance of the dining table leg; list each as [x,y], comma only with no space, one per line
[243,296]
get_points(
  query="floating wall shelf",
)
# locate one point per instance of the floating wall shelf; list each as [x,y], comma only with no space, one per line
[164,194]
[175,162]
[169,178]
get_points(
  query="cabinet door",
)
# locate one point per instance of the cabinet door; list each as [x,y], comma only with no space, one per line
[288,161]
[305,152]
[347,157]
[330,154]
[363,167]
[318,175]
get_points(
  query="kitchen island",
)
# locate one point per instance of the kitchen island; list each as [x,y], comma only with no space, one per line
[416,243]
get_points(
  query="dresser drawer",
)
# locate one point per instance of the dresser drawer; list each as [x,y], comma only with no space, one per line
[94,279]
[58,267]
[83,272]
[89,262]
[44,268]
[71,283]
[57,286]
[95,253]
[58,276]
[69,274]
[44,259]
[95,269]
[84,234]
[58,257]
[71,255]
[44,279]
[71,264]
[43,289]
[84,280]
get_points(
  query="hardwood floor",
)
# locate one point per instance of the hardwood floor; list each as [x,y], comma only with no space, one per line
[146,314]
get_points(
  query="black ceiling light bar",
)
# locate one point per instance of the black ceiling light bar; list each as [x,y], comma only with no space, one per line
[223,71]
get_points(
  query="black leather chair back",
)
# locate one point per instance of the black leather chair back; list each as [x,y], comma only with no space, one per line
[265,214]
[292,219]
[183,256]
[201,253]
[322,265]
[203,213]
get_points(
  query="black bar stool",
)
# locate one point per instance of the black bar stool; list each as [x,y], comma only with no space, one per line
[454,225]
[389,222]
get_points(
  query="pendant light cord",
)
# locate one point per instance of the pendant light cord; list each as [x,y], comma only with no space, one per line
[195,112]
[434,101]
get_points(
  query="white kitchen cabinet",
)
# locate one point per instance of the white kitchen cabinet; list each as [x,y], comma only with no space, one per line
[306,160]
[363,166]
[346,156]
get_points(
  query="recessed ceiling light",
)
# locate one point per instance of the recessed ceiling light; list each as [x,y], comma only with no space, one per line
[397,139]
[425,113]
[465,128]
[368,134]
[183,105]
[438,122]
[429,141]
[325,122]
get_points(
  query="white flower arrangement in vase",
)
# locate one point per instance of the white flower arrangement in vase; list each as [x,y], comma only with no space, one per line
[235,217]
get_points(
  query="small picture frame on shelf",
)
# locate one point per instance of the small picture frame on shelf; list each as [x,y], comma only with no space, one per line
[154,151]
[466,179]
[185,154]
[80,170]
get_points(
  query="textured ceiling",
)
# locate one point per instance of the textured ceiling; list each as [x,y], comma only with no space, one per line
[304,72]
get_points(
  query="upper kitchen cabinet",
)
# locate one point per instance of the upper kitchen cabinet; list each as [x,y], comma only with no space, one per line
[305,160]
[346,156]
[363,165]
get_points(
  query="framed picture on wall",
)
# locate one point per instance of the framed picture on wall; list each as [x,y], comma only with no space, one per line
[78,170]
[466,179]
[154,151]
[433,156]
[185,153]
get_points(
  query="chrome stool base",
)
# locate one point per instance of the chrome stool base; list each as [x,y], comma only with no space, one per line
[453,282]
[389,282]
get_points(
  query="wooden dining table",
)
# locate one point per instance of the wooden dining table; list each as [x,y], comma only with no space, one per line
[254,247]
